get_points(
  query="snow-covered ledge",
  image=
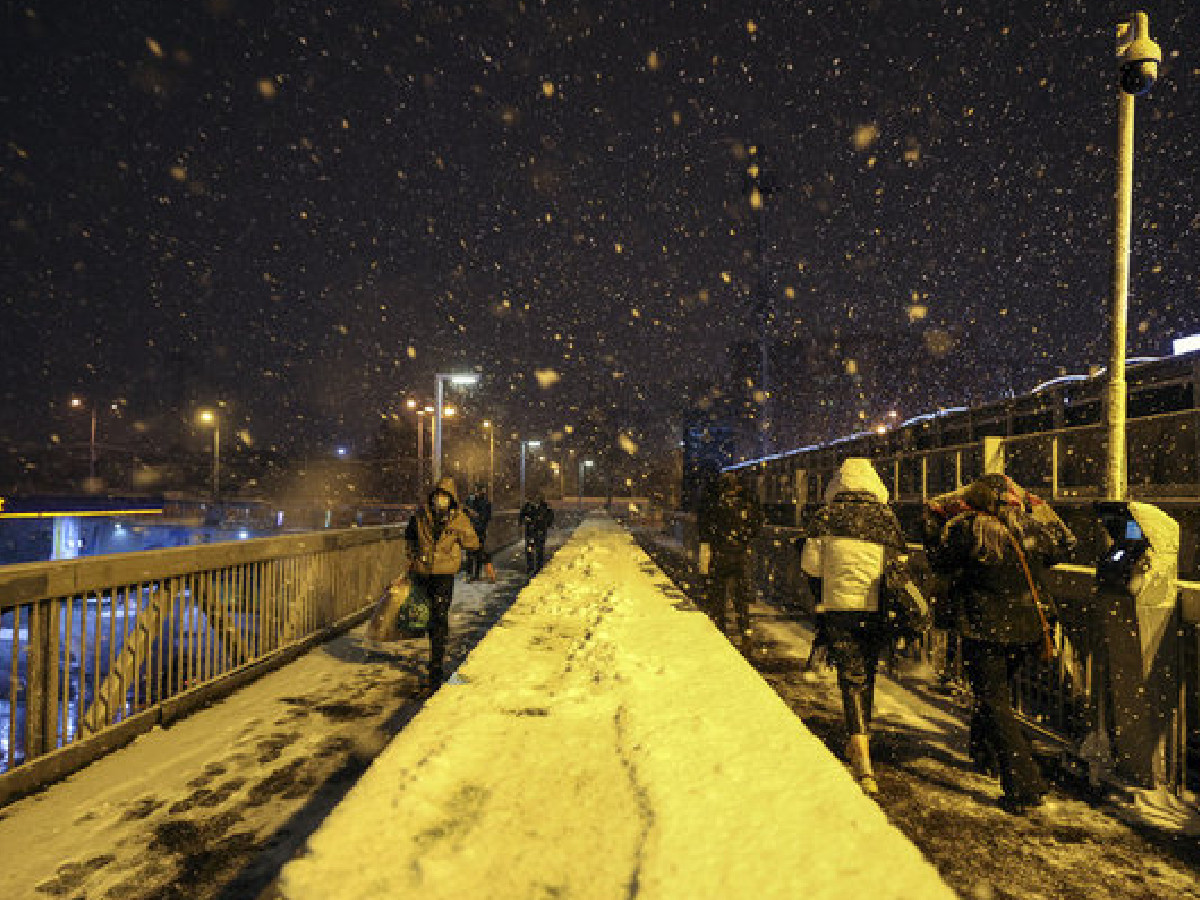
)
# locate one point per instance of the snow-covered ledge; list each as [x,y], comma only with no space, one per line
[606,741]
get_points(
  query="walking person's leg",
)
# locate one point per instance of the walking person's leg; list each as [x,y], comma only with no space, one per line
[988,667]
[851,651]
[441,594]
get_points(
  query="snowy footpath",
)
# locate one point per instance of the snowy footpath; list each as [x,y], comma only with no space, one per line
[604,740]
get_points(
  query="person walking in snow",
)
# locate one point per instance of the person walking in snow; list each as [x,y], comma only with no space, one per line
[995,546]
[437,534]
[848,543]
[729,523]
[536,518]
[479,510]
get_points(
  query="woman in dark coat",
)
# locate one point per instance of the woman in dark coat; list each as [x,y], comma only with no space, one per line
[992,548]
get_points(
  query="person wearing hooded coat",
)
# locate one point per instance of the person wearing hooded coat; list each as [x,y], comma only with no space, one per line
[844,555]
[999,538]
[437,534]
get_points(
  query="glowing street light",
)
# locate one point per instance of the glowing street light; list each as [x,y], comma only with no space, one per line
[77,403]
[459,378]
[210,417]
[524,445]
[584,465]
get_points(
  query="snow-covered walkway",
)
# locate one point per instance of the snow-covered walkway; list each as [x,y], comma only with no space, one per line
[604,740]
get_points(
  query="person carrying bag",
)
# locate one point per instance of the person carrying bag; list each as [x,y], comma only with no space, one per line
[993,548]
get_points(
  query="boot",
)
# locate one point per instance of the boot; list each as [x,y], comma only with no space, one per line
[858,752]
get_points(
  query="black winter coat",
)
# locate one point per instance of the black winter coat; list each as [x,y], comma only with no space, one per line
[729,522]
[992,600]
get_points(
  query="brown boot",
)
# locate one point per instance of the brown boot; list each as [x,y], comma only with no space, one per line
[858,752]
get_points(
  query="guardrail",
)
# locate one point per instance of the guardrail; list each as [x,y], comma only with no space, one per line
[96,650]
[1066,702]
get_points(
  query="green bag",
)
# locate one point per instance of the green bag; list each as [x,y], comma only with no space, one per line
[414,614]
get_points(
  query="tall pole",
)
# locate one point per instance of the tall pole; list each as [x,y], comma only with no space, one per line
[522,474]
[92,449]
[437,431]
[1115,474]
[216,457]
[420,455]
[492,463]
[1138,60]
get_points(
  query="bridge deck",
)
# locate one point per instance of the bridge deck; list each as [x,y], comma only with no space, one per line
[604,740]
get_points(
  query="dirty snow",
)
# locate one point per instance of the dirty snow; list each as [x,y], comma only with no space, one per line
[213,805]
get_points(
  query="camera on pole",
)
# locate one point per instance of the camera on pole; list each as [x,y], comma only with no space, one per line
[1139,55]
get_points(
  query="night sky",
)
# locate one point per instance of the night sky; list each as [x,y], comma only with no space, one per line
[305,210]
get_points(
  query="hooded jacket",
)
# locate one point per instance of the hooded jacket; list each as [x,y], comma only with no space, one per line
[991,598]
[436,542]
[847,539]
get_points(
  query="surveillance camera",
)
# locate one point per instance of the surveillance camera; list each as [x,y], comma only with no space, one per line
[1138,54]
[1138,76]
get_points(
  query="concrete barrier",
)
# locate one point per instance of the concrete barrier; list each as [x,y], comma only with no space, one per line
[605,741]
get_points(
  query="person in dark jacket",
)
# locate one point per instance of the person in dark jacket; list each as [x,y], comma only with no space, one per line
[844,555]
[479,511]
[536,519]
[729,523]
[437,534]
[995,548]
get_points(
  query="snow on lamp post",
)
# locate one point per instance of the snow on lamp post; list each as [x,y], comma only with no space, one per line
[1138,59]
[463,378]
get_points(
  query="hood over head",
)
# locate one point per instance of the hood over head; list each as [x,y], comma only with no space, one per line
[446,486]
[857,474]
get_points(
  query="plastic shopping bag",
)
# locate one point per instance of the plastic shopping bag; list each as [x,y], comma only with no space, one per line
[414,613]
[384,624]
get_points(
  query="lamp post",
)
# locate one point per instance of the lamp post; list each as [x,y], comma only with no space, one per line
[210,417]
[584,465]
[1138,58]
[524,444]
[463,378]
[487,424]
[77,403]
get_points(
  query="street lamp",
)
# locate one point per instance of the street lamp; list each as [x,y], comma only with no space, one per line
[1138,58]
[77,403]
[584,465]
[524,444]
[487,424]
[463,378]
[210,417]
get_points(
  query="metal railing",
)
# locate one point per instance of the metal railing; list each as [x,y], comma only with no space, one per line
[1062,464]
[88,646]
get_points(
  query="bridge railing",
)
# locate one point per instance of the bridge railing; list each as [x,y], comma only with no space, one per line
[96,650]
